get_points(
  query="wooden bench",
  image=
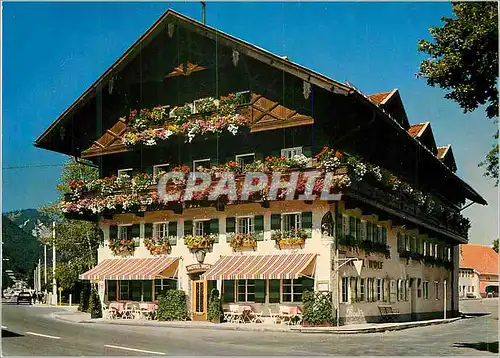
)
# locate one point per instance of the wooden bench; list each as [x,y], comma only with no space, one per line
[388,313]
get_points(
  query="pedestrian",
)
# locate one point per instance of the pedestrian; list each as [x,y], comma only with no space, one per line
[34,297]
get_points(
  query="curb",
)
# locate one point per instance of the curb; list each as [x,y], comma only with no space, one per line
[373,329]
[324,330]
[60,317]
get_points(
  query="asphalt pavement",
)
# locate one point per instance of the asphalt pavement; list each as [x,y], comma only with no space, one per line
[30,330]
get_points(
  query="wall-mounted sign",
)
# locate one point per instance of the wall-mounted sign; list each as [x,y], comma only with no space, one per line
[378,265]
[198,268]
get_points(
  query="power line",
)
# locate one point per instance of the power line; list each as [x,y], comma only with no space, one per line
[33,166]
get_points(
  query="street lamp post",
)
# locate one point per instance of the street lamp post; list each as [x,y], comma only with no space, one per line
[54,283]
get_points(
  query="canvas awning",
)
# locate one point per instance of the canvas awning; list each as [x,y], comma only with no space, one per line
[484,284]
[261,267]
[133,269]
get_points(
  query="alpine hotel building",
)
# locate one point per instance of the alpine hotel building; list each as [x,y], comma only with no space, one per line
[188,97]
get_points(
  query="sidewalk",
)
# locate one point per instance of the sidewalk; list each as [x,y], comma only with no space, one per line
[81,317]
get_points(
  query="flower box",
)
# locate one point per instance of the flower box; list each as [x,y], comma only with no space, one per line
[157,245]
[239,241]
[199,241]
[122,247]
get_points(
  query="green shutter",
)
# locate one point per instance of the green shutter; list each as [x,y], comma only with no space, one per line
[188,227]
[358,229]
[307,223]
[228,291]
[259,227]
[230,225]
[260,291]
[172,232]
[384,235]
[339,230]
[275,221]
[148,230]
[136,230]
[275,153]
[214,228]
[307,151]
[113,232]
[259,156]
[274,291]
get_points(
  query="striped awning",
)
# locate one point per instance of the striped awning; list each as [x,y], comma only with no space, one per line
[133,269]
[261,267]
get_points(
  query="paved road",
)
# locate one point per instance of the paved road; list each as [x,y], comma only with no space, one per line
[29,330]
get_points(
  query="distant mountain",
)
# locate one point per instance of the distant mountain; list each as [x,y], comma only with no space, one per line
[21,250]
[28,219]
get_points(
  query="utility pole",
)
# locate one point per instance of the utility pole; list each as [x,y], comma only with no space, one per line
[54,283]
[45,267]
[444,299]
[39,278]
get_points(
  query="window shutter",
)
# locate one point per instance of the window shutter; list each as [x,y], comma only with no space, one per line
[135,233]
[362,230]
[214,228]
[375,233]
[345,224]
[307,284]
[358,229]
[274,291]
[339,231]
[307,223]
[369,230]
[230,225]
[258,225]
[148,230]
[172,232]
[228,291]
[113,232]
[259,156]
[260,291]
[188,227]
[307,151]
[275,221]
[384,235]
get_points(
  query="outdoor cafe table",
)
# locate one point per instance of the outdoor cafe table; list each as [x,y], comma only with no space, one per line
[290,313]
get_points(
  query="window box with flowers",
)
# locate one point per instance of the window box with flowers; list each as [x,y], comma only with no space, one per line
[204,241]
[158,245]
[287,238]
[239,241]
[122,247]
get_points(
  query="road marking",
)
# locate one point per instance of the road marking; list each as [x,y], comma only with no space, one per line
[42,335]
[133,349]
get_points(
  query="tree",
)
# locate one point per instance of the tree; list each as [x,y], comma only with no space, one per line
[464,61]
[495,245]
[76,241]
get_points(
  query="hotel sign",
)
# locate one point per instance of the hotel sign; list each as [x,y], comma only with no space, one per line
[198,268]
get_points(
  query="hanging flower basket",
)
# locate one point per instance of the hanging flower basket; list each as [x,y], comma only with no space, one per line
[122,247]
[157,245]
[239,241]
[199,241]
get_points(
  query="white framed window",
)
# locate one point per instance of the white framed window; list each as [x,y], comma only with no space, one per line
[380,292]
[436,290]
[124,290]
[425,248]
[291,291]
[291,221]
[407,243]
[448,250]
[159,168]
[400,290]
[160,229]
[436,251]
[127,171]
[246,291]
[431,249]
[205,163]
[244,159]
[345,289]
[362,290]
[245,225]
[290,152]
[200,227]
[426,290]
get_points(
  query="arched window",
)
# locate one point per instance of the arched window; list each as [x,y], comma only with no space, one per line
[327,225]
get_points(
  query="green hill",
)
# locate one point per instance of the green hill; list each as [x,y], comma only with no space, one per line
[28,219]
[21,249]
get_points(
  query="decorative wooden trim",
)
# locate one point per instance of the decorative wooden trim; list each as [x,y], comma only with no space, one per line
[186,70]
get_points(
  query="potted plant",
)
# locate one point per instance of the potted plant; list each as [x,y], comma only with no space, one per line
[239,241]
[157,245]
[118,246]
[199,241]
[294,237]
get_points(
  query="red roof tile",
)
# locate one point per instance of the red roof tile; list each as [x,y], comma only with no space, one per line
[442,151]
[481,258]
[378,98]
[416,129]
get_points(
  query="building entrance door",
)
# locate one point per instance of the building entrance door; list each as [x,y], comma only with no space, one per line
[199,300]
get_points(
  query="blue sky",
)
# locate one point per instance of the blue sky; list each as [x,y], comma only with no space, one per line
[52,52]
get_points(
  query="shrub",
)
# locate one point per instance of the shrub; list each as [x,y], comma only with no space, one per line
[95,308]
[214,306]
[84,299]
[172,306]
[318,308]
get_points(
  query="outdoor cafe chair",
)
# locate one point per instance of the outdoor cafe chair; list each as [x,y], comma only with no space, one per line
[236,314]
[228,315]
[256,317]
[275,317]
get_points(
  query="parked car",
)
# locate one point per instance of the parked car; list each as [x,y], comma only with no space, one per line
[24,297]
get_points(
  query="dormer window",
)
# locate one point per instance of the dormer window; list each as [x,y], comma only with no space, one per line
[290,152]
